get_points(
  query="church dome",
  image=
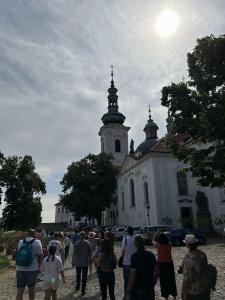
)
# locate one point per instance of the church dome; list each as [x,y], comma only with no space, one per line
[145,147]
[151,137]
[113,115]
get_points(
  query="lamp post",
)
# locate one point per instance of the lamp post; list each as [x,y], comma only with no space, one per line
[148,211]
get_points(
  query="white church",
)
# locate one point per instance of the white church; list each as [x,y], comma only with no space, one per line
[151,186]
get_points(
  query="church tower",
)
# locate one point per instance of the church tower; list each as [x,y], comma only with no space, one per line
[114,135]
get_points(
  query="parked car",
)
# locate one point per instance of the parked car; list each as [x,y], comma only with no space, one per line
[137,230]
[119,233]
[148,232]
[176,236]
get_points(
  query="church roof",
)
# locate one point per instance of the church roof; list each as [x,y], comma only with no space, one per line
[113,115]
[146,146]
[60,203]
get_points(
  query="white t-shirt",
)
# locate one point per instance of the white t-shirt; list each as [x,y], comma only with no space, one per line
[51,271]
[36,250]
[57,244]
[130,249]
[67,241]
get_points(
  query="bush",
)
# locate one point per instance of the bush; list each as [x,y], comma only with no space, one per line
[3,261]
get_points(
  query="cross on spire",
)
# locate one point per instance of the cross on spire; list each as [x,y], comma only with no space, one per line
[149,111]
[111,71]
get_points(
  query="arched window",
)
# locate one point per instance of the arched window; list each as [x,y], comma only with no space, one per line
[146,196]
[117,146]
[132,193]
[182,183]
[58,210]
[123,203]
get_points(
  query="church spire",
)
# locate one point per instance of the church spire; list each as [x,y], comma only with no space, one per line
[150,128]
[113,115]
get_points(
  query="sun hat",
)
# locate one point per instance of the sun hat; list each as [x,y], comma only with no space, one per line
[190,239]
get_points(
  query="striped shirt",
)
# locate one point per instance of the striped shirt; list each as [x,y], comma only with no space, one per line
[82,252]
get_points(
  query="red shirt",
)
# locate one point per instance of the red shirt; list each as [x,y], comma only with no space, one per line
[163,252]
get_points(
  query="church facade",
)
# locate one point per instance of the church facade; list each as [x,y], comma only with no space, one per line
[152,188]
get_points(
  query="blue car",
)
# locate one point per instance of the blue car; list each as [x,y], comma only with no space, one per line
[176,236]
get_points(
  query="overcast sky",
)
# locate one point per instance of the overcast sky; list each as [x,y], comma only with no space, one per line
[54,73]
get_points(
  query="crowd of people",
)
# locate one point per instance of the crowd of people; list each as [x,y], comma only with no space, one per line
[141,269]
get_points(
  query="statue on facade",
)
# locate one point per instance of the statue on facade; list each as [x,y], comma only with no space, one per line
[131,146]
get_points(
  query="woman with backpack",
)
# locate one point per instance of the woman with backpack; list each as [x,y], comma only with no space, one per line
[107,263]
[52,267]
[166,266]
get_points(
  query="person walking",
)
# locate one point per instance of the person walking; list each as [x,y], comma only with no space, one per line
[144,273]
[67,246]
[128,249]
[52,267]
[58,244]
[93,244]
[28,262]
[166,266]
[195,284]
[107,264]
[81,259]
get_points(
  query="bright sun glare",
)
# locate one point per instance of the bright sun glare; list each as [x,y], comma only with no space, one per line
[166,23]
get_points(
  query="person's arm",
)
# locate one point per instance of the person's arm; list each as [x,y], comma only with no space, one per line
[156,274]
[63,277]
[39,252]
[123,250]
[156,235]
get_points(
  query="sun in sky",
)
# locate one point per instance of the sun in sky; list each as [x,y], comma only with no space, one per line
[166,23]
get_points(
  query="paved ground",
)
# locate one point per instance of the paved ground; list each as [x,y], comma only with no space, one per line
[215,253]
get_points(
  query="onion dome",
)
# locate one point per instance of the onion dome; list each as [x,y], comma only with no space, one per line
[113,115]
[150,130]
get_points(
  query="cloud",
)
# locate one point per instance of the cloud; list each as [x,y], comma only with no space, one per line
[54,72]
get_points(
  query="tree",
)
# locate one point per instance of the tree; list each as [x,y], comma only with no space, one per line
[88,185]
[197,109]
[20,186]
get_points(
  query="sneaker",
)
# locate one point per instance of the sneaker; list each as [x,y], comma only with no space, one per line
[83,293]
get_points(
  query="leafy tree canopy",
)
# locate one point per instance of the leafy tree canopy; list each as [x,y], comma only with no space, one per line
[20,186]
[197,109]
[88,185]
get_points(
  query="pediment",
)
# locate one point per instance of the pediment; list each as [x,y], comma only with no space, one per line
[128,163]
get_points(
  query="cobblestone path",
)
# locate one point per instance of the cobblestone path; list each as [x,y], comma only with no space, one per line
[215,253]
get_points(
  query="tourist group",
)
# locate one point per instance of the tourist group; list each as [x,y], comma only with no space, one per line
[141,269]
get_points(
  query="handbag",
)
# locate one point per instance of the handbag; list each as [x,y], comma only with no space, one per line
[120,261]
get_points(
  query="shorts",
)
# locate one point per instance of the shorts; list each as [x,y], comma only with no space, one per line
[50,283]
[26,278]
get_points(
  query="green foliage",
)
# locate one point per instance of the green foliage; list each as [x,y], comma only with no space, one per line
[9,239]
[21,186]
[88,185]
[197,109]
[4,262]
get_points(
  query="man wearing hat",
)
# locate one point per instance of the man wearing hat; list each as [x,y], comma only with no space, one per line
[195,281]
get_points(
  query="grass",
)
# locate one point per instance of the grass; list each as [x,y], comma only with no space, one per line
[4,262]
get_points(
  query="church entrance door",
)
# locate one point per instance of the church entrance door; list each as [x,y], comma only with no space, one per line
[186,215]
